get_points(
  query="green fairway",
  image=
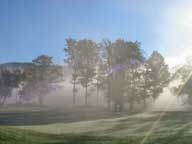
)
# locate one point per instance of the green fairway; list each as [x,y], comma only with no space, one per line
[134,125]
[17,136]
[172,128]
[10,135]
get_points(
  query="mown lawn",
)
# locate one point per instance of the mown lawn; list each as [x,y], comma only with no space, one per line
[17,136]
[143,128]
[133,125]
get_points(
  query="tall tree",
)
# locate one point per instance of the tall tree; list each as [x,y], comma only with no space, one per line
[144,83]
[42,62]
[99,79]
[159,74]
[107,58]
[132,58]
[72,59]
[121,58]
[88,52]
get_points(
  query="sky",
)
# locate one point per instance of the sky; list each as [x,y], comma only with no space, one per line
[29,28]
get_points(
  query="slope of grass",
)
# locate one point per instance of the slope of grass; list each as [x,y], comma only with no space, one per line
[134,125]
[17,136]
[18,115]
[10,135]
[173,128]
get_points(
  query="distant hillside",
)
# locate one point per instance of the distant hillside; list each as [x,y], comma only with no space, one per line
[26,65]
[15,65]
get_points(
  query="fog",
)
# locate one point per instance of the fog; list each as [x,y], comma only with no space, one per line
[167,101]
[62,96]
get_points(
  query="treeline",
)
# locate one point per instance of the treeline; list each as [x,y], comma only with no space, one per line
[119,69]
[32,81]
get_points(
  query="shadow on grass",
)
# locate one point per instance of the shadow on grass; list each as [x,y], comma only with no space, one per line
[56,115]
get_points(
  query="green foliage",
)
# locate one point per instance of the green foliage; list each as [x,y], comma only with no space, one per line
[184,75]
[121,58]
[8,81]
[118,68]
[158,74]
[39,76]
[72,58]
[43,60]
[82,57]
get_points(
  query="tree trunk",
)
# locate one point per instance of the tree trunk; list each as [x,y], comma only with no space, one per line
[2,100]
[144,103]
[115,107]
[131,106]
[74,96]
[118,107]
[97,96]
[17,99]
[121,107]
[86,96]
[41,99]
[108,104]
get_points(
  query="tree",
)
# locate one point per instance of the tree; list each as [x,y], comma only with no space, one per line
[8,81]
[39,77]
[133,86]
[158,74]
[185,89]
[133,60]
[99,79]
[144,83]
[107,58]
[183,77]
[88,54]
[5,88]
[72,59]
[121,58]
[42,62]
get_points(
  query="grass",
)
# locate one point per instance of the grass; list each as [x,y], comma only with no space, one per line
[174,128]
[38,115]
[134,125]
[10,135]
[18,136]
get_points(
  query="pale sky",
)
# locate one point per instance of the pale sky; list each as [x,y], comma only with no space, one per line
[29,28]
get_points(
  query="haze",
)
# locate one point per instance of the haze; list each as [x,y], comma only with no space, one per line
[95,71]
